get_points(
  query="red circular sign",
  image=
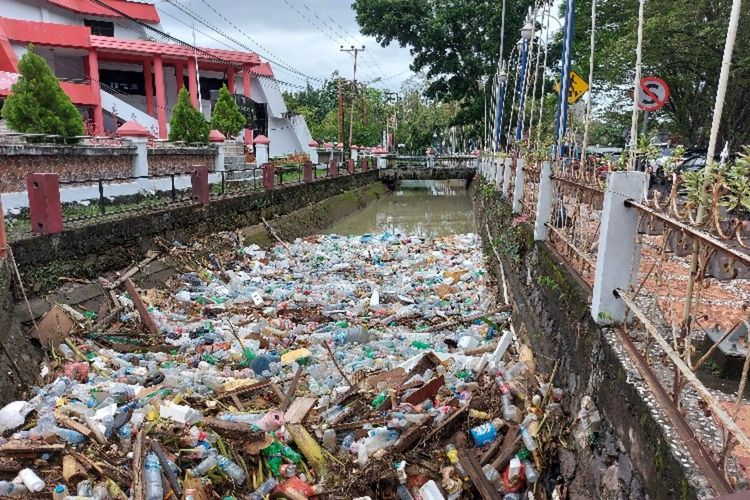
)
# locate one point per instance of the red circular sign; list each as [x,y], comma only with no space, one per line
[653,94]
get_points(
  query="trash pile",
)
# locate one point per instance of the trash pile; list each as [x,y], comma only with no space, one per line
[335,367]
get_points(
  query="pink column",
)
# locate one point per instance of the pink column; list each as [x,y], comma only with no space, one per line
[193,83]
[96,89]
[179,71]
[161,101]
[247,93]
[147,76]
[230,80]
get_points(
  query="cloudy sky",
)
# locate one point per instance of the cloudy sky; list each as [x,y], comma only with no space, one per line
[303,37]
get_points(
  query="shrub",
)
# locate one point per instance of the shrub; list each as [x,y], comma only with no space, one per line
[226,116]
[187,123]
[37,104]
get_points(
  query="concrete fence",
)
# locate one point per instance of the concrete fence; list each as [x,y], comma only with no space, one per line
[616,262]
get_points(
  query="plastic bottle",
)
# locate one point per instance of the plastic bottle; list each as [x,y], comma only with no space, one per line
[402,493]
[511,413]
[530,471]
[452,453]
[484,434]
[154,487]
[206,465]
[528,439]
[70,436]
[9,489]
[85,488]
[329,439]
[66,351]
[232,469]
[492,475]
[60,492]
[33,482]
[125,434]
[264,489]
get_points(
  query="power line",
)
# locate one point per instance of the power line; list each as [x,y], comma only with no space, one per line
[225,44]
[288,67]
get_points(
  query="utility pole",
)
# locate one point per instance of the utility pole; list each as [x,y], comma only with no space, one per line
[390,97]
[341,111]
[355,51]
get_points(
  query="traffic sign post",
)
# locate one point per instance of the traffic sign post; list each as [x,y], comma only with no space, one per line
[653,94]
[578,88]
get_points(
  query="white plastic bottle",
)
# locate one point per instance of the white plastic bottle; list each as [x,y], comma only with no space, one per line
[33,482]
[154,487]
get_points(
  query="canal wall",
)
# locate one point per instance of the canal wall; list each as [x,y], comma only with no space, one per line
[629,454]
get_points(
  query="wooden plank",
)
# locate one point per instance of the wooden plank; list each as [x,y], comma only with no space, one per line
[299,409]
[453,418]
[508,448]
[247,432]
[375,422]
[139,462]
[407,440]
[28,448]
[474,470]
[146,318]
[427,391]
[166,470]
[69,423]
[391,378]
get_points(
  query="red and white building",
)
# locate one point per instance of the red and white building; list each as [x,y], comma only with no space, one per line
[114,71]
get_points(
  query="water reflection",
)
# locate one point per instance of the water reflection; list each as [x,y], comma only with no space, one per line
[423,208]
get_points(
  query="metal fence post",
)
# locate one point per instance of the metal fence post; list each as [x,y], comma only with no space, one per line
[199,183]
[268,172]
[518,186]
[544,202]
[618,255]
[506,175]
[45,209]
[3,236]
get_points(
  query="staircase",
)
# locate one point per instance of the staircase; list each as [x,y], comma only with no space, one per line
[127,112]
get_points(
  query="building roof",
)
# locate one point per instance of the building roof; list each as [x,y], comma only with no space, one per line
[47,34]
[169,50]
[137,10]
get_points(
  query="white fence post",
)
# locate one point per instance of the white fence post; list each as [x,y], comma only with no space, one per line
[518,186]
[543,203]
[619,254]
[506,175]
[499,172]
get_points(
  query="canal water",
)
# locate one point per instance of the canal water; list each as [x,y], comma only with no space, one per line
[427,209]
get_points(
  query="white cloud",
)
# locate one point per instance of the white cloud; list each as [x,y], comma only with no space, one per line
[305,35]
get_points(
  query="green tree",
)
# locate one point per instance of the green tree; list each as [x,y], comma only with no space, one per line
[456,43]
[37,104]
[187,123]
[683,43]
[226,116]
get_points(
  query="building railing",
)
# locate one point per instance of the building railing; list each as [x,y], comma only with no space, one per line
[647,257]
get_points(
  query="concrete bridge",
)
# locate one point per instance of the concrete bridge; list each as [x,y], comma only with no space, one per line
[425,168]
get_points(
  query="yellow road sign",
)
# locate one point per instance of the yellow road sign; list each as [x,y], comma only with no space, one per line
[578,87]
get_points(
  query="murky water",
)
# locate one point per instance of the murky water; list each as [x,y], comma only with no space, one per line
[422,208]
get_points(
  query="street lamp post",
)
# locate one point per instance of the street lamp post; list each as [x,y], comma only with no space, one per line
[502,79]
[526,33]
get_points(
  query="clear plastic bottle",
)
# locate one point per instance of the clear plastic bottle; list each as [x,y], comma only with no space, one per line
[329,439]
[154,486]
[125,434]
[264,489]
[206,465]
[85,488]
[9,489]
[232,469]
[60,492]
[452,453]
[530,471]
[70,436]
[511,413]
[528,439]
